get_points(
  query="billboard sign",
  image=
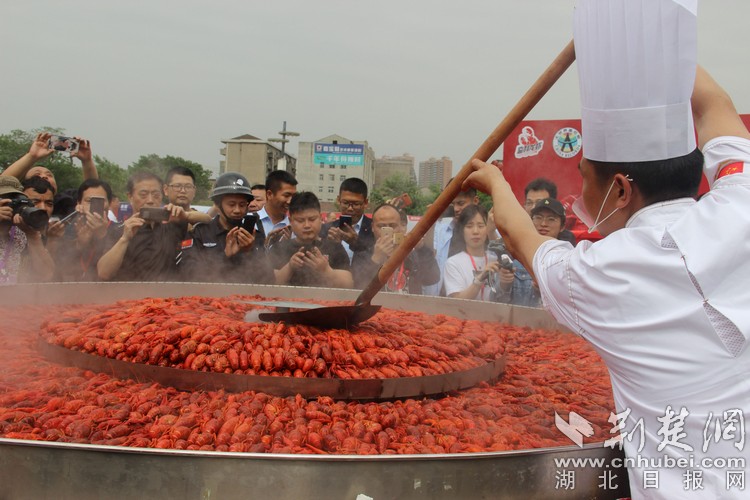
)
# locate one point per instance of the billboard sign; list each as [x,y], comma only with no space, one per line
[339,154]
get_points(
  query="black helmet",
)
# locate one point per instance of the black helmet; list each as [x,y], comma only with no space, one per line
[231,183]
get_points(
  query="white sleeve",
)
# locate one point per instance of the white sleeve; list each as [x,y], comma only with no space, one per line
[455,280]
[552,271]
[723,151]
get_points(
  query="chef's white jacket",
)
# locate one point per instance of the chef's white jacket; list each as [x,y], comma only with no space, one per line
[666,303]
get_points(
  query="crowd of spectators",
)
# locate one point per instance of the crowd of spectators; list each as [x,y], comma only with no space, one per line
[254,233]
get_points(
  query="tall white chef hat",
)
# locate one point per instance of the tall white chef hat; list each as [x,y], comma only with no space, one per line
[636,64]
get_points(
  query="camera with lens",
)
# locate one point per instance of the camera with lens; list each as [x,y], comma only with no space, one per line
[503,256]
[35,218]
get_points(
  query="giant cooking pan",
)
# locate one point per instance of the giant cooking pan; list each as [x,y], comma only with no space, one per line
[33,469]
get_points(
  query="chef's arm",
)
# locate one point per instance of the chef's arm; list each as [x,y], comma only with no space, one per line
[713,111]
[519,234]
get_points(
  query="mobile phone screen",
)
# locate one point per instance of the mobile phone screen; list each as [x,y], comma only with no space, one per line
[96,205]
[62,144]
[345,220]
[154,214]
[249,222]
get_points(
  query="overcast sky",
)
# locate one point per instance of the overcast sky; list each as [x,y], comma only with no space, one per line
[427,77]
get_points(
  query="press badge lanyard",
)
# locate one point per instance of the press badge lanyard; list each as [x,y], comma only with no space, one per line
[397,284]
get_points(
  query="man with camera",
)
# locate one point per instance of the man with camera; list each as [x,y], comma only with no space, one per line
[308,259]
[418,269]
[22,252]
[517,285]
[82,243]
[353,229]
[145,247]
[223,249]
[40,149]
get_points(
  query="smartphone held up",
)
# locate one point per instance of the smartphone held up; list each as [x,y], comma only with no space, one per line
[96,205]
[249,223]
[154,214]
[63,144]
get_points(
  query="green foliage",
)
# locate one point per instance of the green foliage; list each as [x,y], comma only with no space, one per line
[394,186]
[116,176]
[160,166]
[485,200]
[68,171]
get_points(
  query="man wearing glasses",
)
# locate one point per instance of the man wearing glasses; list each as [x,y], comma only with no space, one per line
[517,286]
[352,201]
[180,190]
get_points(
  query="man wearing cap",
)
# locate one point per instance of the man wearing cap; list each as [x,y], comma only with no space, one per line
[222,250]
[664,296]
[23,256]
[517,285]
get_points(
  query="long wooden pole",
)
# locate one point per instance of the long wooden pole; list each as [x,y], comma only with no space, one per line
[530,99]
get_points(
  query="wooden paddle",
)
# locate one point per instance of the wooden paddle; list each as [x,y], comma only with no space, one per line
[347,316]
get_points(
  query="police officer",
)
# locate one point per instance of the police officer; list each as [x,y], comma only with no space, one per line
[225,249]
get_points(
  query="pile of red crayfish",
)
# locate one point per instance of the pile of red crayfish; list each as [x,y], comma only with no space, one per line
[547,372]
[198,333]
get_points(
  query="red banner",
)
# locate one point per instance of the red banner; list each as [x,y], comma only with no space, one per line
[552,149]
[544,148]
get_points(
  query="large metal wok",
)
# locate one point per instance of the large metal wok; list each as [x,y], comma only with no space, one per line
[32,469]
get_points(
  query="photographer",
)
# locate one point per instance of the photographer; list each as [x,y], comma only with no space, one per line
[24,256]
[222,250]
[418,269]
[473,272]
[308,260]
[24,167]
[83,241]
[145,247]
[356,234]
[517,286]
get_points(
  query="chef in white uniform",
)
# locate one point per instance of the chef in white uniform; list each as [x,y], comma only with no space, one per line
[665,296]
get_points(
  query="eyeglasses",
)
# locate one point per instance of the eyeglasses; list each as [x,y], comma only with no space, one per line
[181,187]
[351,204]
[550,219]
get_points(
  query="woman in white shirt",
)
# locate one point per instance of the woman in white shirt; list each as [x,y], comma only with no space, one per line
[472,273]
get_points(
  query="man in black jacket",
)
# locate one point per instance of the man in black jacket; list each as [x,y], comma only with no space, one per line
[418,269]
[352,201]
[223,250]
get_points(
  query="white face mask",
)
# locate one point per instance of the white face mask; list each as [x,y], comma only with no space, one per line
[580,210]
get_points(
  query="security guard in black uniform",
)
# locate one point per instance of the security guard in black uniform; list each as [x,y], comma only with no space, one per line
[226,249]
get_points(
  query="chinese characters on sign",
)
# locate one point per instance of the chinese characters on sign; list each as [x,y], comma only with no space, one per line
[339,154]
[727,426]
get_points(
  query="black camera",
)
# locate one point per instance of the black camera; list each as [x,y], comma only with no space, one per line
[35,218]
[503,256]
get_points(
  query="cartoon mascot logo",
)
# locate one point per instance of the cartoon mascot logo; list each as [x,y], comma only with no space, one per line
[528,143]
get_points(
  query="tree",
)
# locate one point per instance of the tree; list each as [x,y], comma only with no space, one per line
[394,186]
[116,176]
[160,166]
